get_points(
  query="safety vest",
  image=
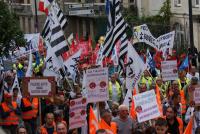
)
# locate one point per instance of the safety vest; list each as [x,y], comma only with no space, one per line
[112,129]
[183,102]
[12,119]
[147,80]
[37,67]
[118,90]
[31,113]
[43,129]
[187,81]
[180,122]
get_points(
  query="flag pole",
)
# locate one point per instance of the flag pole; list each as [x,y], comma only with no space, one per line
[36,17]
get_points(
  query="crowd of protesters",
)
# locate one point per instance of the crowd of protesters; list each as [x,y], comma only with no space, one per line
[19,113]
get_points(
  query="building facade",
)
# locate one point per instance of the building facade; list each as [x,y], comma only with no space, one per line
[180,22]
[81,21]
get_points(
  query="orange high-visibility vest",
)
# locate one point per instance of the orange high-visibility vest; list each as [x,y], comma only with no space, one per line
[31,113]
[12,119]
[43,129]
[112,129]
[183,102]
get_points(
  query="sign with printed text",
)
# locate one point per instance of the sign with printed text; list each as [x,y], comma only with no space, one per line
[97,84]
[38,87]
[196,96]
[146,106]
[77,113]
[169,70]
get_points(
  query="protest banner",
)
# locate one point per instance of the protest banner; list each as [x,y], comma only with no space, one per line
[169,70]
[146,106]
[38,87]
[143,34]
[97,84]
[196,96]
[77,113]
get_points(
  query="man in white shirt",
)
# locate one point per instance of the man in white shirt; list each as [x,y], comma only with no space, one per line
[192,73]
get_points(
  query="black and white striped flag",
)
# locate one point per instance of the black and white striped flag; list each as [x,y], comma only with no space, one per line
[46,32]
[123,51]
[116,31]
[53,30]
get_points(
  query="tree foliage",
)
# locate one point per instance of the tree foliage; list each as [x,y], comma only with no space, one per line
[10,34]
[158,24]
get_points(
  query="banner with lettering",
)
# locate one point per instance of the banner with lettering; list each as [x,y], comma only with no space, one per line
[146,106]
[97,84]
[143,34]
[169,70]
[135,67]
[77,113]
[166,41]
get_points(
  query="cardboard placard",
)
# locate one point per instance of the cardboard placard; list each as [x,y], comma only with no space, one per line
[77,113]
[97,84]
[146,106]
[196,96]
[169,70]
[38,86]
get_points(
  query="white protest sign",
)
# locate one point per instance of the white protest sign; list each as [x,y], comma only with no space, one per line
[196,96]
[146,106]
[97,84]
[169,70]
[38,87]
[77,113]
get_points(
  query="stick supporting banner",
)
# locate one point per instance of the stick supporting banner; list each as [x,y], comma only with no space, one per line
[40,111]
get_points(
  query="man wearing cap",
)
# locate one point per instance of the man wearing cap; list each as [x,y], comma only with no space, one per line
[9,112]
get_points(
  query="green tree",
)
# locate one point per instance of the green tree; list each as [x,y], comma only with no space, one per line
[10,34]
[158,24]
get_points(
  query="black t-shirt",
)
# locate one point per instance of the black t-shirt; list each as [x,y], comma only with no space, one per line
[173,128]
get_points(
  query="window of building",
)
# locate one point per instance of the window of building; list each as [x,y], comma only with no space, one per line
[177,3]
[179,36]
[197,2]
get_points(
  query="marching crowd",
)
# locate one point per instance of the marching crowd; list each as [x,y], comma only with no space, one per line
[23,114]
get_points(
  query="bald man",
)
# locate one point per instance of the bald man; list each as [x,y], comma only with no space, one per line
[124,122]
[61,128]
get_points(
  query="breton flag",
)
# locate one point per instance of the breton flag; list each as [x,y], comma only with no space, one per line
[47,3]
[117,29]
[123,51]
[53,30]
[46,32]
